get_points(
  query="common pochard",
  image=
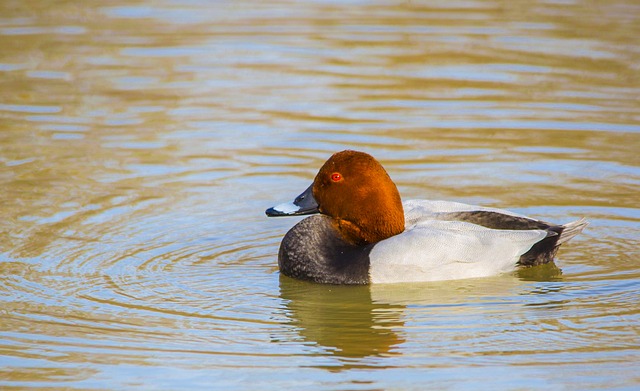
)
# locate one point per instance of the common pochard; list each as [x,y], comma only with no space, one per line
[365,234]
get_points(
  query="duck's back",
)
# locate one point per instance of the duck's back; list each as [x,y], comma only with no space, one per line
[447,240]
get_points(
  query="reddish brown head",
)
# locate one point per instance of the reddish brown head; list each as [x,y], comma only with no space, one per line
[356,191]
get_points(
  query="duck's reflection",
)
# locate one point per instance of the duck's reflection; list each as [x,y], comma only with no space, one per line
[542,273]
[356,322]
[342,319]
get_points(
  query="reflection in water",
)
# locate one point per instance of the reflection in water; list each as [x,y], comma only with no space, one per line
[343,320]
[547,272]
[355,322]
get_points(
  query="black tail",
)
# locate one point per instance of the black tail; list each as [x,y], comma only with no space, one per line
[545,250]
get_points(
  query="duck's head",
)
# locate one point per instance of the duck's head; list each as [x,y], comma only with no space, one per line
[357,193]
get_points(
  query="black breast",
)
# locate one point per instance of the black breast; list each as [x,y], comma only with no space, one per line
[312,250]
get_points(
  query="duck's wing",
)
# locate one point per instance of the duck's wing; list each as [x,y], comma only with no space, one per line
[544,251]
[450,240]
[432,250]
[416,210]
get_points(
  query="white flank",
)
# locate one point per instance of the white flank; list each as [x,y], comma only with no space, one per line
[432,250]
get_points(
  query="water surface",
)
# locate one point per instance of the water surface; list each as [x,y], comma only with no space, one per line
[140,143]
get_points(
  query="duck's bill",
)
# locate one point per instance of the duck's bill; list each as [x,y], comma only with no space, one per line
[304,204]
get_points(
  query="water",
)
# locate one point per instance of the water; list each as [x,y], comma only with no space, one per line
[141,142]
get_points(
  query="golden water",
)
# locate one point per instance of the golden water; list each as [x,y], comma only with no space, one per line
[140,143]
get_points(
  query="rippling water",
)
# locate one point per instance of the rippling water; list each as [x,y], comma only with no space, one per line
[140,143]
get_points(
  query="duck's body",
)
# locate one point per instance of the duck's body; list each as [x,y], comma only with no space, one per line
[365,234]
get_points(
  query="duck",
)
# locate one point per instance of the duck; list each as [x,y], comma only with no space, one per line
[360,232]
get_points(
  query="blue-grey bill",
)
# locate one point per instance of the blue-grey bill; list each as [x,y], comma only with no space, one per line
[304,204]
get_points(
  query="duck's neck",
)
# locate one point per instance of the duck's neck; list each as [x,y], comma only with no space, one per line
[374,226]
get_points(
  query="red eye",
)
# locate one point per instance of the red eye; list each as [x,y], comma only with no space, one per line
[336,177]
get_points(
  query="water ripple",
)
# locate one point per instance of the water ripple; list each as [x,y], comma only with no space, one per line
[140,145]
